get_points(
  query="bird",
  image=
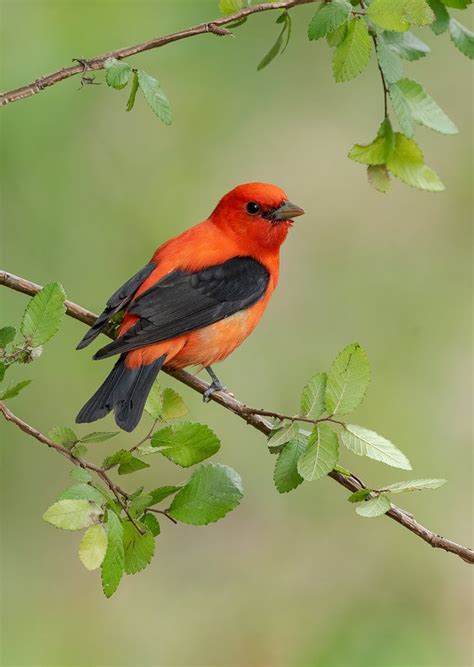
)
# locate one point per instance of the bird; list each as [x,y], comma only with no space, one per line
[202,293]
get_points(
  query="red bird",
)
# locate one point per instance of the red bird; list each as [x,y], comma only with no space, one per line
[200,296]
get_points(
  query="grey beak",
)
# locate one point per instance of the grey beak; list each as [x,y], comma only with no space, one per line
[287,211]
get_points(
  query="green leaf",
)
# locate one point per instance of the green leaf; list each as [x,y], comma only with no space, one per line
[80,475]
[321,453]
[378,177]
[3,368]
[462,38]
[286,475]
[186,444]
[407,45]
[374,507]
[441,23]
[63,436]
[337,36]
[274,51]
[79,450]
[99,436]
[414,485]
[114,561]
[389,61]
[283,435]
[129,464]
[363,442]
[72,514]
[357,496]
[139,549]
[139,504]
[398,16]
[312,397]
[328,18]
[133,93]
[407,164]
[154,402]
[377,152]
[348,379]
[352,55]
[227,7]
[212,492]
[13,390]
[93,546]
[43,315]
[83,492]
[162,492]
[7,336]
[173,405]
[155,97]
[152,523]
[117,73]
[411,100]
[457,4]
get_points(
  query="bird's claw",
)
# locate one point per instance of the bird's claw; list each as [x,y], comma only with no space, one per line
[213,387]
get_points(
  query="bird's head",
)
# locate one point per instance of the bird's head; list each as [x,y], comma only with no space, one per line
[257,213]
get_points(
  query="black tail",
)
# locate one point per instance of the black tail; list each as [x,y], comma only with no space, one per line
[124,391]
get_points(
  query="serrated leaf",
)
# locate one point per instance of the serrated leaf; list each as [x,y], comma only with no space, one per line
[312,397]
[397,16]
[63,435]
[230,6]
[140,503]
[352,55]
[152,523]
[320,455]
[406,162]
[402,111]
[7,336]
[139,549]
[186,444]
[462,38]
[378,177]
[363,442]
[154,402]
[99,436]
[79,450]
[379,150]
[155,96]
[441,23]
[93,546]
[130,463]
[83,491]
[13,390]
[357,496]
[43,315]
[420,107]
[328,18]
[374,507]
[275,50]
[414,485]
[283,435]
[348,379]
[337,36]
[286,475]
[173,405]
[407,45]
[212,492]
[117,73]
[133,93]
[389,61]
[72,514]
[162,492]
[113,564]
[80,475]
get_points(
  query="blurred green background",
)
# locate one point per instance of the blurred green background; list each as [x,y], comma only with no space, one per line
[88,192]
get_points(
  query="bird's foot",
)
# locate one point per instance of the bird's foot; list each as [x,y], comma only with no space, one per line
[216,385]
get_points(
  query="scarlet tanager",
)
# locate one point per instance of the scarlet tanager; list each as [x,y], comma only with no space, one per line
[200,296]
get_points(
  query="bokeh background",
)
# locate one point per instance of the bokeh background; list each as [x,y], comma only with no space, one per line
[88,192]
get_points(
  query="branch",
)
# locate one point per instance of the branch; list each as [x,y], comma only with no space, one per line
[98,62]
[350,481]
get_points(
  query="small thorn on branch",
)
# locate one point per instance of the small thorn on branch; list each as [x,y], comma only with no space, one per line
[218,30]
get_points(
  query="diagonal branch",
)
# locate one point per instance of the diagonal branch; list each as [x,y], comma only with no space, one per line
[98,62]
[349,481]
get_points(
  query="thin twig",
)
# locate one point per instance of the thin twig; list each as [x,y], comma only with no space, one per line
[215,27]
[291,418]
[164,512]
[350,482]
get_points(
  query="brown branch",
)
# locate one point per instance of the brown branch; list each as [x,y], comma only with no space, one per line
[119,493]
[350,482]
[98,62]
[291,418]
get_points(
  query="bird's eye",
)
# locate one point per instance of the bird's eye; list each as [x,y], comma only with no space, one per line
[253,208]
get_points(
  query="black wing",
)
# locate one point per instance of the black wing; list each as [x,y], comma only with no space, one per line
[116,303]
[184,301]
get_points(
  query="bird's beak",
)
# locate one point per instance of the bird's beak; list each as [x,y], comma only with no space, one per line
[287,211]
